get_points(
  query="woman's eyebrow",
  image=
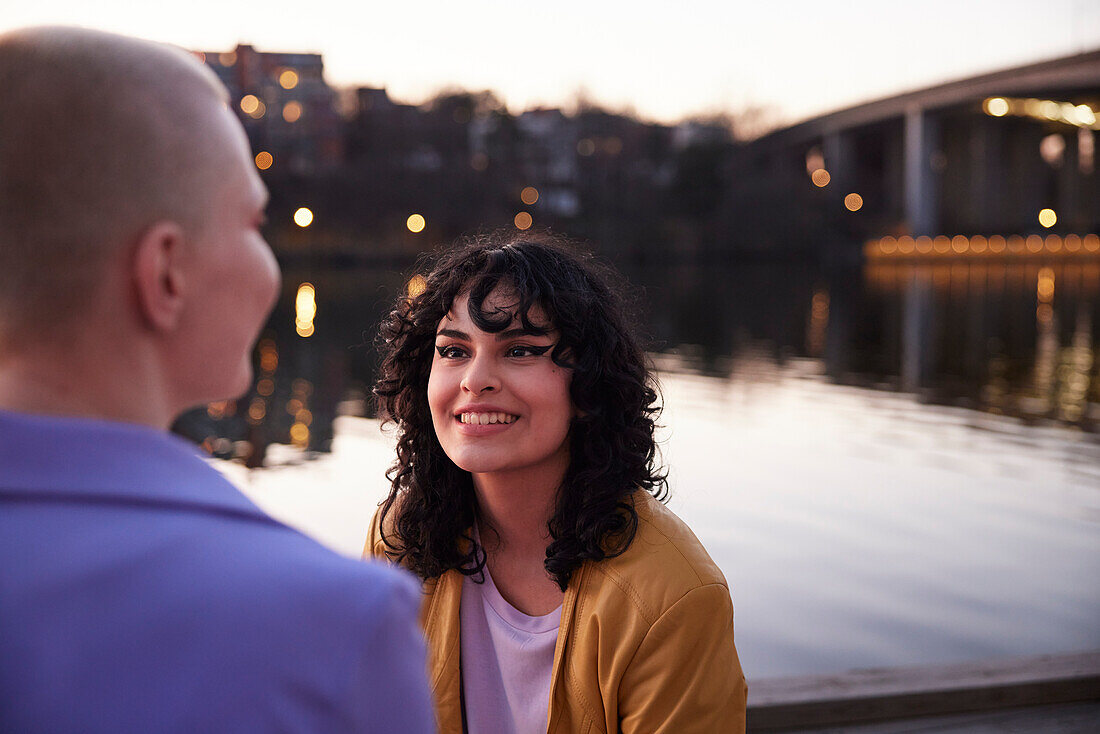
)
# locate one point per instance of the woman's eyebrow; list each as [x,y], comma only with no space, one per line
[506,334]
[453,333]
[519,331]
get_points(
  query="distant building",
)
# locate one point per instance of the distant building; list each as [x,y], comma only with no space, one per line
[285,105]
[382,135]
[547,158]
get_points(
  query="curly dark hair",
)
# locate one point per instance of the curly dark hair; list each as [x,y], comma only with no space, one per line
[611,440]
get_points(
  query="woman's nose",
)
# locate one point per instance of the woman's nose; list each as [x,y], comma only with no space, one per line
[481,376]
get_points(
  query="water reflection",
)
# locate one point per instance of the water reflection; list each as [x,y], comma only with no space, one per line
[1003,337]
[1013,338]
[859,528]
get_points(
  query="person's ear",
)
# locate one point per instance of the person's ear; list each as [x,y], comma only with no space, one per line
[158,275]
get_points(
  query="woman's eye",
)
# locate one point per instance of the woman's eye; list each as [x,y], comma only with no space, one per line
[527,351]
[449,351]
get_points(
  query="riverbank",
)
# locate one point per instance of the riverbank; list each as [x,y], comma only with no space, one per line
[1045,693]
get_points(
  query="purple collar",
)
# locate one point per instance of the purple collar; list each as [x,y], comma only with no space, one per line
[80,459]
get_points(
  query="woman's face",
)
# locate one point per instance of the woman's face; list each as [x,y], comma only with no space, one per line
[499,403]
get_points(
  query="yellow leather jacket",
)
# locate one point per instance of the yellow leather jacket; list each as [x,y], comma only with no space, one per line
[645,644]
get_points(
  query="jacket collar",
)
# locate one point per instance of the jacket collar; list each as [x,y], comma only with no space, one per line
[98,460]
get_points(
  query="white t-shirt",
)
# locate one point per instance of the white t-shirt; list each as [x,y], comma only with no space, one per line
[507,660]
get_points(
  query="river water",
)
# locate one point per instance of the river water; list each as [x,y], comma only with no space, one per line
[891,465]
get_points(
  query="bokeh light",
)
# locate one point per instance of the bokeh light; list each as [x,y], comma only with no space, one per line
[299,434]
[853,202]
[292,111]
[269,355]
[252,106]
[1047,218]
[523,220]
[305,309]
[821,178]
[996,106]
[264,160]
[250,103]
[529,195]
[288,79]
[1045,288]
[303,217]
[257,410]
[416,223]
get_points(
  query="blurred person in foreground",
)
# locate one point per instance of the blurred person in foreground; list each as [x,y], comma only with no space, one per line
[139,590]
[561,595]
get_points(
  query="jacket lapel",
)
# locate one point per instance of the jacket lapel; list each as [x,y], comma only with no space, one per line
[440,620]
[557,676]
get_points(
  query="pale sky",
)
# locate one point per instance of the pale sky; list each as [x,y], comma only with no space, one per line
[665,60]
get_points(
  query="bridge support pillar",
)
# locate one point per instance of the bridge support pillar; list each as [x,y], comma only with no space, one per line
[921,181]
[922,213]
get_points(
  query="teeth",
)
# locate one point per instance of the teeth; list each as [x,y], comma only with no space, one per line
[485,419]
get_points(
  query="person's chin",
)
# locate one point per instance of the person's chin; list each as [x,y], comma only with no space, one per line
[478,464]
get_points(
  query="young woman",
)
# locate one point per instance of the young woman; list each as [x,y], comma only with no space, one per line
[560,594]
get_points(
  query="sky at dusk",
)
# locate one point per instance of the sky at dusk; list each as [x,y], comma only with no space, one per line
[663,60]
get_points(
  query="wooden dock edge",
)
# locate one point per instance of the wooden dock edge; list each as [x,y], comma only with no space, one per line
[884,694]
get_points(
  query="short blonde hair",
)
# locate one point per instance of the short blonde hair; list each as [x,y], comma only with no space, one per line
[101,136]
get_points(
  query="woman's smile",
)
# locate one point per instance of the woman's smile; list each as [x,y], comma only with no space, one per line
[486,419]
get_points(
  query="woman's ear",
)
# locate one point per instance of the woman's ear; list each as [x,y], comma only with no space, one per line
[158,277]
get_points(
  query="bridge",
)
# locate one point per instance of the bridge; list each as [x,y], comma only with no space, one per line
[1006,153]
[982,183]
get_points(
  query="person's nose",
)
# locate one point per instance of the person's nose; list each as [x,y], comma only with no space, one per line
[481,375]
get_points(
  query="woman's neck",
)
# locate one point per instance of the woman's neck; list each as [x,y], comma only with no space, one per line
[515,511]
